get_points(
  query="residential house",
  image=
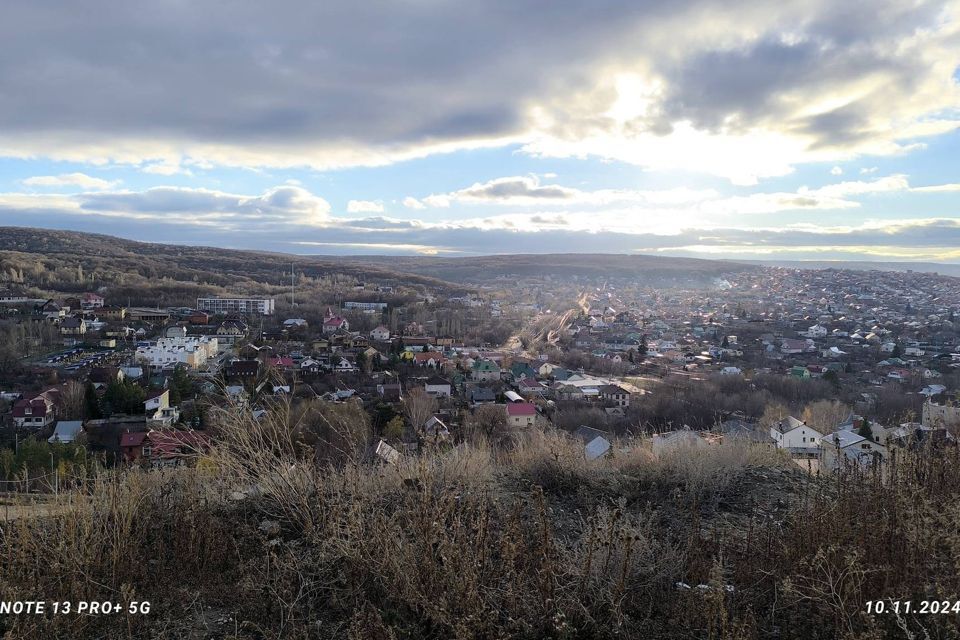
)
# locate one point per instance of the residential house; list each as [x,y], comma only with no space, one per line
[615,394]
[66,431]
[165,448]
[941,416]
[73,326]
[243,370]
[673,441]
[333,323]
[796,437]
[380,334]
[101,377]
[438,387]
[485,371]
[845,447]
[521,414]
[158,411]
[37,412]
[521,370]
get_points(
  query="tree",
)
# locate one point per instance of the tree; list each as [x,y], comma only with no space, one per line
[91,401]
[73,399]
[419,407]
[643,348]
[773,413]
[825,415]
[864,430]
[832,377]
[897,351]
[487,422]
[180,385]
[363,362]
[394,428]
[124,397]
[726,342]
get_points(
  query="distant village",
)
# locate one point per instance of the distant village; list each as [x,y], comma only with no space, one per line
[598,359]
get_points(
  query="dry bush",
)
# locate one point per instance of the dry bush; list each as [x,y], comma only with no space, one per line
[475,541]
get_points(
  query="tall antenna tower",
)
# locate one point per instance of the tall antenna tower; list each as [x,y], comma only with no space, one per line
[293,284]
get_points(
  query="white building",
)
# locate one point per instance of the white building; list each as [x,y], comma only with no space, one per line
[262,306]
[799,439]
[380,334]
[816,331]
[843,447]
[169,352]
[366,307]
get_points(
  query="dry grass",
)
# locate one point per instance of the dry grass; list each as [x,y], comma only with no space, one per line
[264,539]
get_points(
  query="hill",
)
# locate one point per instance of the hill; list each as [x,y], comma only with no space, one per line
[658,269]
[860,265]
[60,251]
[55,256]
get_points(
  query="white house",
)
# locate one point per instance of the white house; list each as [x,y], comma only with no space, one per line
[380,334]
[844,446]
[794,435]
[437,387]
[816,331]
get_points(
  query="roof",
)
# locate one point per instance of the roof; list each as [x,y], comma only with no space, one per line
[521,409]
[133,438]
[437,380]
[844,438]
[789,423]
[588,434]
[66,431]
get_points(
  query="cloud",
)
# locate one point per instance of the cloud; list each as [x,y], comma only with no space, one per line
[166,167]
[365,206]
[528,191]
[741,89]
[81,180]
[412,203]
[938,188]
[836,171]
[299,222]
[288,204]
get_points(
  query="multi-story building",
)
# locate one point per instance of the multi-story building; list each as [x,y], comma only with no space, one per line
[367,307]
[261,306]
[169,352]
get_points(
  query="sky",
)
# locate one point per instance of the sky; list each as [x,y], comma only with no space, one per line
[801,129]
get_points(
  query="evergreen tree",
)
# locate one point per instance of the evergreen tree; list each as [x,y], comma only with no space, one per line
[864,430]
[92,402]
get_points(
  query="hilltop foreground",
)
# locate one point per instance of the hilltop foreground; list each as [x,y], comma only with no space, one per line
[261,541]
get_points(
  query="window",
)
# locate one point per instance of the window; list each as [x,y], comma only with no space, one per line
[147,451]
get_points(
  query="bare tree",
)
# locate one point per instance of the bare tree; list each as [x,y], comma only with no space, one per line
[486,422]
[418,407]
[825,415]
[73,398]
[774,413]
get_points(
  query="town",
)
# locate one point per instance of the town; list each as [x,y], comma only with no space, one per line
[831,367]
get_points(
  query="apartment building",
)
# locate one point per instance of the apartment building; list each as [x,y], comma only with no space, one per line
[222,306]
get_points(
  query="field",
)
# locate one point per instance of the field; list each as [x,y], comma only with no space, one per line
[265,538]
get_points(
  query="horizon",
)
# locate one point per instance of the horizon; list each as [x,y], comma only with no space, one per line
[802,132]
[942,268]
